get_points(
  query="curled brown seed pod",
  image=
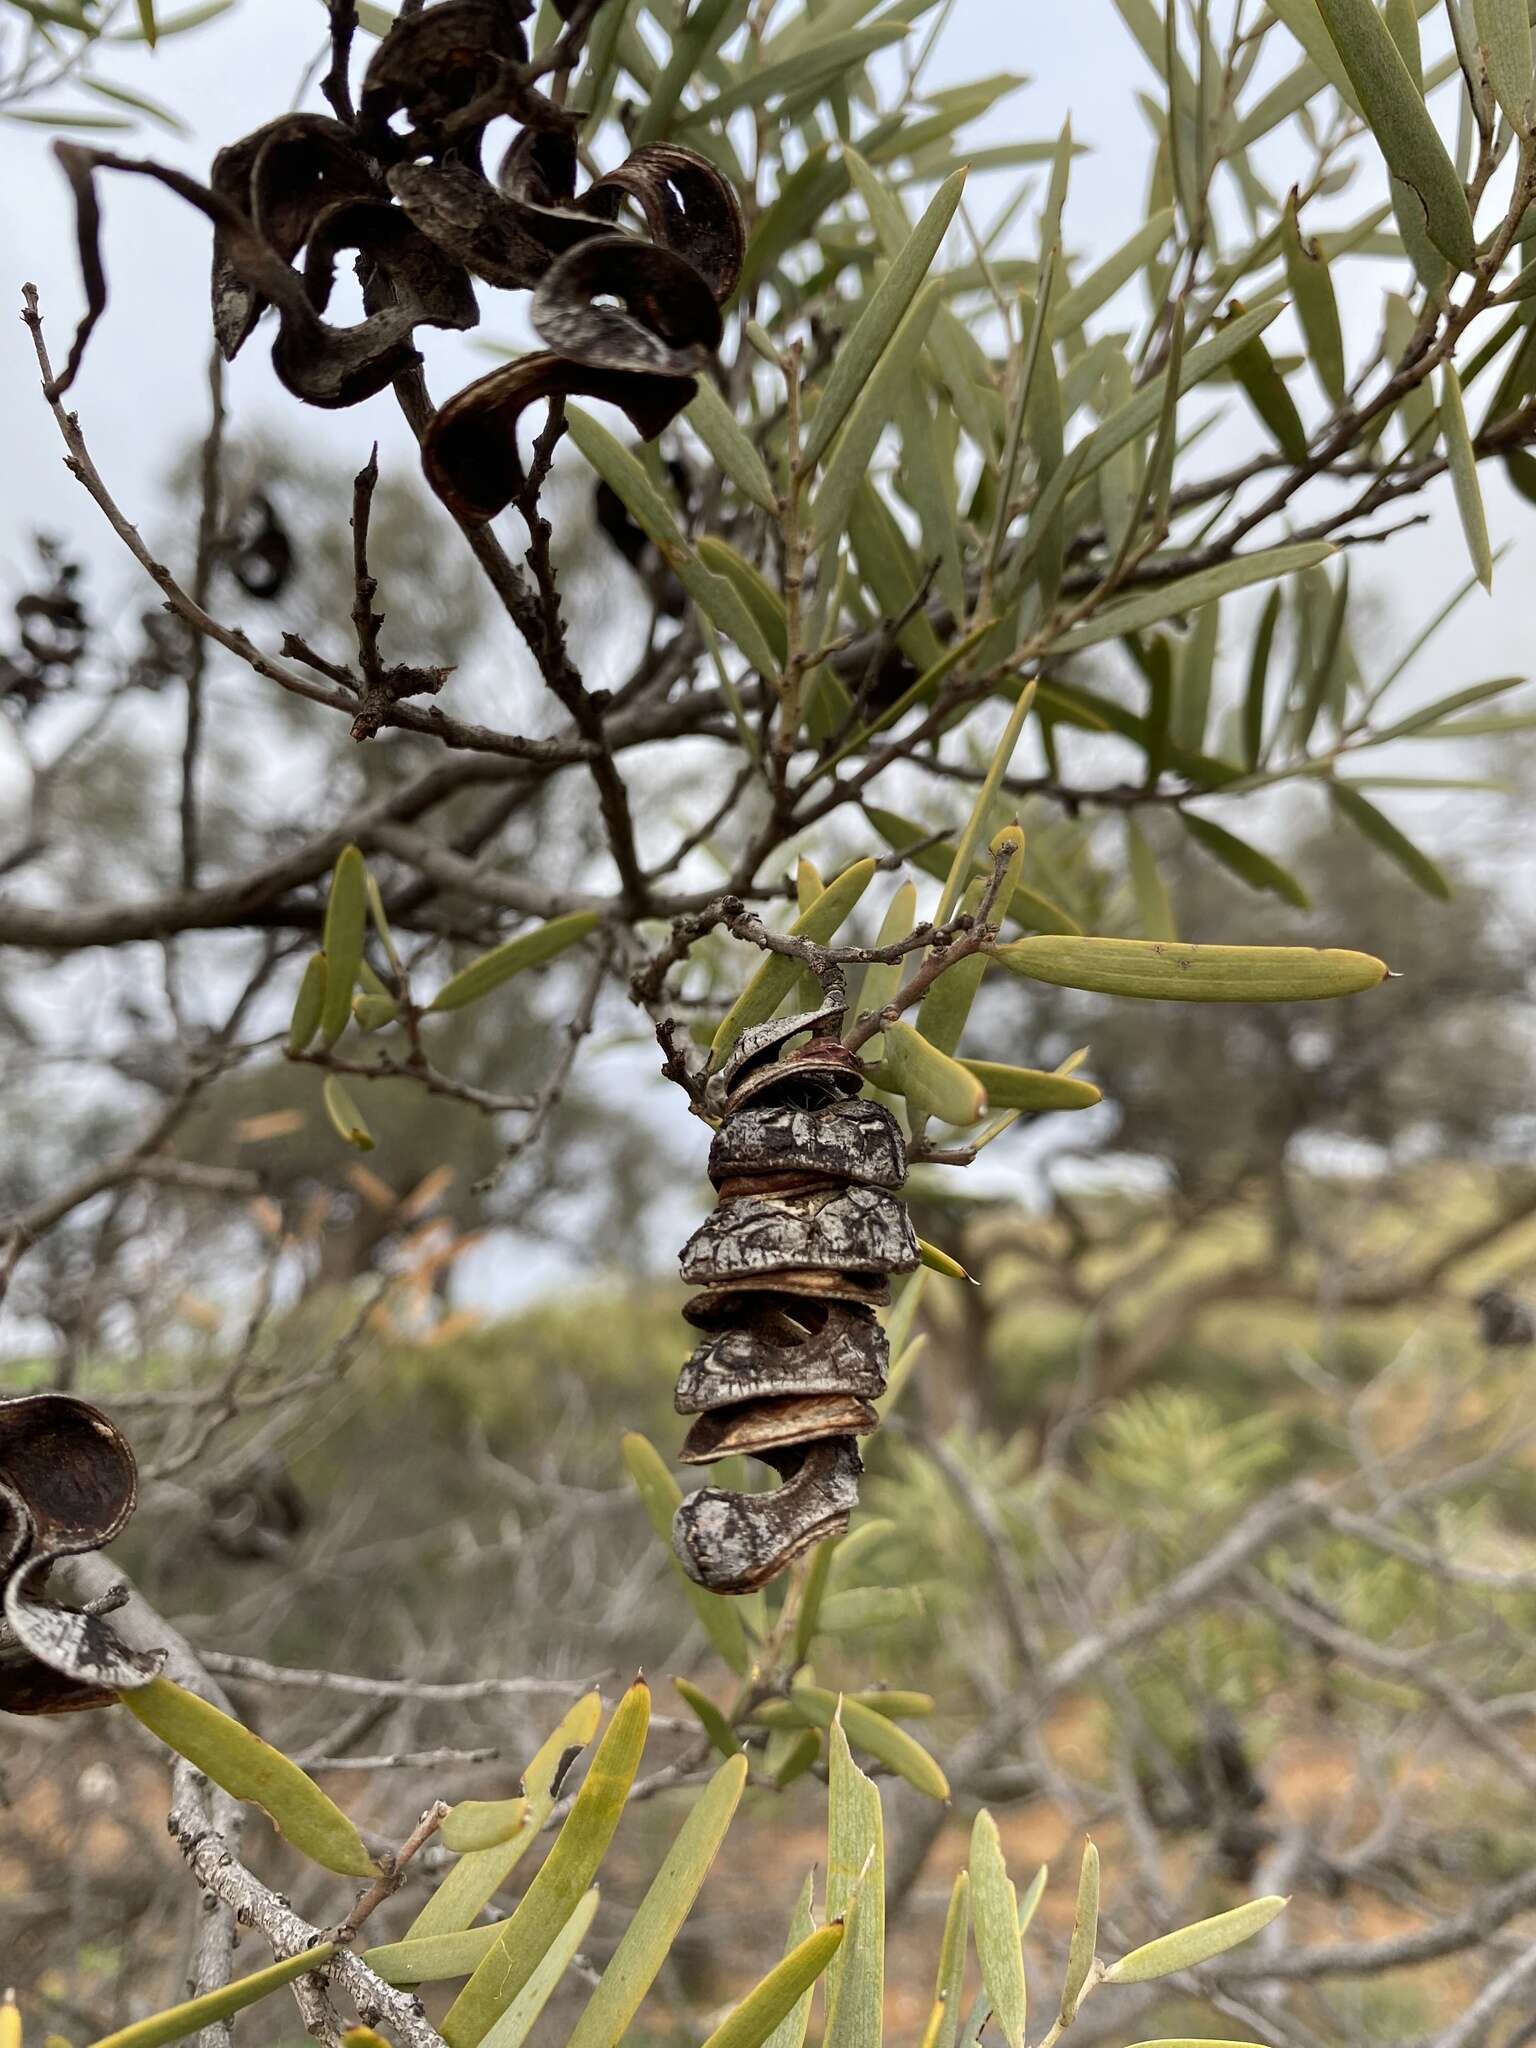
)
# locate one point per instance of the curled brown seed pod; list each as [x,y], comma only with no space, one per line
[797,1254]
[68,1484]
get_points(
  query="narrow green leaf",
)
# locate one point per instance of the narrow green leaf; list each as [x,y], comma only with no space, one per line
[976,824]
[1154,907]
[876,1734]
[872,332]
[769,2004]
[940,1262]
[1462,458]
[699,35]
[252,1770]
[568,1869]
[791,2030]
[945,1011]
[1317,309]
[717,427]
[709,1716]
[647,1940]
[1258,677]
[888,566]
[308,1004]
[949,1985]
[1265,389]
[1196,1944]
[1085,1935]
[631,482]
[346,1118]
[808,72]
[1245,861]
[1188,593]
[1193,974]
[872,411]
[995,1908]
[431,1958]
[478,1876]
[661,1496]
[1396,845]
[756,593]
[1504,31]
[882,981]
[148,26]
[528,949]
[777,976]
[516,2023]
[932,1082]
[483,1824]
[855,1894]
[1401,124]
[216,2006]
[1029,1089]
[346,923]
[1101,284]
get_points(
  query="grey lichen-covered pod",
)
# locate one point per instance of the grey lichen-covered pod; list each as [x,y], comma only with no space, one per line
[736,1542]
[791,1265]
[855,1141]
[754,1428]
[775,1351]
[827,1229]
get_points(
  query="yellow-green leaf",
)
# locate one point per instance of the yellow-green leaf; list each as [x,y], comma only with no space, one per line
[777,976]
[940,1262]
[346,1118]
[647,1940]
[932,1082]
[944,2018]
[528,949]
[945,1011]
[1317,309]
[564,1875]
[1154,906]
[1085,1935]
[483,1824]
[429,1958]
[661,1497]
[709,1716]
[1030,1089]
[1193,974]
[717,427]
[995,1910]
[516,2023]
[250,1769]
[480,1874]
[346,921]
[1196,1944]
[149,28]
[875,1734]
[873,409]
[771,2002]
[855,1893]
[791,2030]
[308,1004]
[882,981]
[214,2006]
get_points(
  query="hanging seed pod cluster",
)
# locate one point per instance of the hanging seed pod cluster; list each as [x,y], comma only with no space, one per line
[398,184]
[792,1265]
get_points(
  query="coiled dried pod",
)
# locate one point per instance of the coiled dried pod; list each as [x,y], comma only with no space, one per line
[629,312]
[68,1484]
[792,1266]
